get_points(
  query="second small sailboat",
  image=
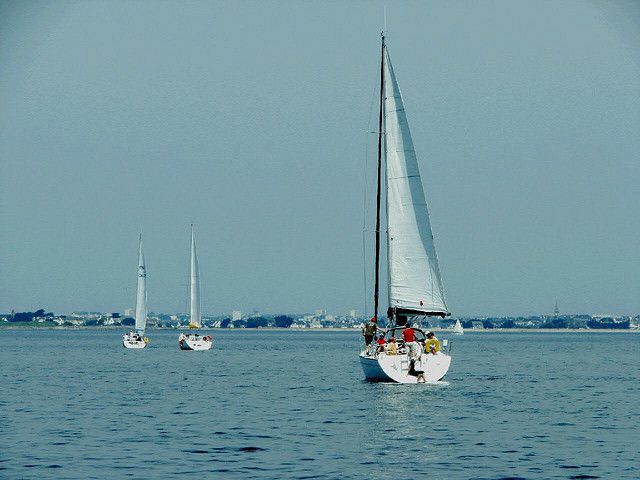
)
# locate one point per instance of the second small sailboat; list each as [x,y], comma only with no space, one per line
[457,328]
[136,338]
[194,341]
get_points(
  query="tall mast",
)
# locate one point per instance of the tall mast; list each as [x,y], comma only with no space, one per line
[379,192]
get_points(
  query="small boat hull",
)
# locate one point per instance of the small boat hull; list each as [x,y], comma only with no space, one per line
[129,341]
[190,342]
[395,368]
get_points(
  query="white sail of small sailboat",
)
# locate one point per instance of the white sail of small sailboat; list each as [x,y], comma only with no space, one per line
[457,328]
[194,341]
[136,338]
[415,288]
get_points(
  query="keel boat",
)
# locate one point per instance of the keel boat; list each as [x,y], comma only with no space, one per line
[415,288]
[194,340]
[136,338]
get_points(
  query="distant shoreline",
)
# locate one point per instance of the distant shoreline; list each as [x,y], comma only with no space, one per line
[327,329]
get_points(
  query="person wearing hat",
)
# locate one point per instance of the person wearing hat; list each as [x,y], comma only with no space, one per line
[369,331]
[431,344]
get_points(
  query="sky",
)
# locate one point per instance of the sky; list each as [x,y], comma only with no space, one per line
[252,119]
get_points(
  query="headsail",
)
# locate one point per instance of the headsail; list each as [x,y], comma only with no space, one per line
[195,319]
[141,297]
[415,284]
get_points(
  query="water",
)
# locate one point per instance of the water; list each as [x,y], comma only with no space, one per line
[286,404]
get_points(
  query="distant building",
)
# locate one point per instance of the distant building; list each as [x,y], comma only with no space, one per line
[321,312]
[129,312]
[236,315]
[353,313]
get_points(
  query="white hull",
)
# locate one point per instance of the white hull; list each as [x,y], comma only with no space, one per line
[190,342]
[128,341]
[395,368]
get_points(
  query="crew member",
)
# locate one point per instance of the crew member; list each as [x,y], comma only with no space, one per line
[432,344]
[392,347]
[369,331]
[409,337]
[380,342]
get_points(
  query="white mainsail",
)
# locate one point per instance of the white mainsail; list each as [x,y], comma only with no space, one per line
[415,284]
[141,297]
[194,286]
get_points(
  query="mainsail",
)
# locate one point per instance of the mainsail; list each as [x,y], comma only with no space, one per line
[141,297]
[194,286]
[415,284]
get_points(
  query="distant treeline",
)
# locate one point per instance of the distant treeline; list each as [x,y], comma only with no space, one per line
[279,321]
[30,316]
[556,323]
[285,321]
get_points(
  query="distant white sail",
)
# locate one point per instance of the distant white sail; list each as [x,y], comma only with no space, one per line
[415,283]
[457,328]
[141,297]
[195,318]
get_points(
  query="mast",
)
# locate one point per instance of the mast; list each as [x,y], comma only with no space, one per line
[194,285]
[379,187]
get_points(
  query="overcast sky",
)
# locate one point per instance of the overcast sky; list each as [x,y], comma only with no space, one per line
[250,120]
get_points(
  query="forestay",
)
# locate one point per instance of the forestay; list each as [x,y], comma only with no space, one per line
[415,283]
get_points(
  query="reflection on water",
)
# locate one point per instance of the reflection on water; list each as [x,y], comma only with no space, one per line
[75,404]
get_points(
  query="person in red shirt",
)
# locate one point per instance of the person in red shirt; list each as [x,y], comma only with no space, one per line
[381,343]
[408,334]
[409,337]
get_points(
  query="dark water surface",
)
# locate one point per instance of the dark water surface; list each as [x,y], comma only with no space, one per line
[285,404]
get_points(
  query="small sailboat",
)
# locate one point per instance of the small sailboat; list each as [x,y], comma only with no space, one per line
[457,328]
[415,288]
[136,338]
[194,341]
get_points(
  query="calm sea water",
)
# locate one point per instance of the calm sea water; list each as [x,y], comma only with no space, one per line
[285,404]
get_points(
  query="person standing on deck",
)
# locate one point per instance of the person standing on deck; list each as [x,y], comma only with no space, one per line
[369,331]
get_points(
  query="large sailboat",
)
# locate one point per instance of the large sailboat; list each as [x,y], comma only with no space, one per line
[136,338]
[194,341]
[415,288]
